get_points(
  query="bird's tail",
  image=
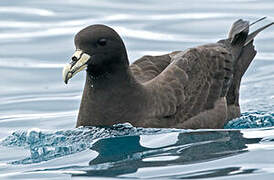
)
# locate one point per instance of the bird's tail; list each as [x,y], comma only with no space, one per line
[241,42]
[243,51]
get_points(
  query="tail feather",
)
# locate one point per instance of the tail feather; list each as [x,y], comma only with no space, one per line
[240,41]
[257,21]
[241,26]
[238,27]
[238,33]
[252,35]
[246,57]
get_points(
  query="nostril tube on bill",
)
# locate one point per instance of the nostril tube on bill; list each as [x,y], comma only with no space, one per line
[74,58]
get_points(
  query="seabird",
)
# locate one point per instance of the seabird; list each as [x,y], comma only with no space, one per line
[194,88]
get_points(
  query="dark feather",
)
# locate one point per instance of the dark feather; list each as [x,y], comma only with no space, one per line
[195,88]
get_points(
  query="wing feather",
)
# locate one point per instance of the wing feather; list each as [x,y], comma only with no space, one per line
[192,83]
[148,67]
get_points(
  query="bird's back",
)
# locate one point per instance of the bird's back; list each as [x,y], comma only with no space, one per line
[194,80]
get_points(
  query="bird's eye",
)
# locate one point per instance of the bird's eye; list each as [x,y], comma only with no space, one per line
[102,42]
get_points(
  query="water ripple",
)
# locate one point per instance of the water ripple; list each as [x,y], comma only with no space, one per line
[49,145]
[26,10]
[19,62]
[39,97]
[252,120]
[37,36]
[46,145]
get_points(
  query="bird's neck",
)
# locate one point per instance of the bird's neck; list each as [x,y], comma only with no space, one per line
[108,99]
[120,78]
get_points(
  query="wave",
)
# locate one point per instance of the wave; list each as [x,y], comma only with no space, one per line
[47,145]
[256,119]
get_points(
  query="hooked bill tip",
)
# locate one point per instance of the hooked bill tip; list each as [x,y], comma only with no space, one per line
[66,73]
[67,78]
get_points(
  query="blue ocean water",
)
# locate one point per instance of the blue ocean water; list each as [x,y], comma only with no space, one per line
[38,111]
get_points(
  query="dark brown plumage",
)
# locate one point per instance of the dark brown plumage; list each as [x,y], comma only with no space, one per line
[195,88]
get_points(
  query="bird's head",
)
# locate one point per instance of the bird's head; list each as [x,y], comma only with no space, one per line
[99,50]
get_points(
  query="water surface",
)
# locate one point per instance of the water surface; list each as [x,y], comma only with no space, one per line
[38,111]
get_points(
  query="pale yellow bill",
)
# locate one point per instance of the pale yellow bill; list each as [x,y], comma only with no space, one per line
[81,63]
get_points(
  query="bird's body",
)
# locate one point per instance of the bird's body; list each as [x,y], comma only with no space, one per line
[195,88]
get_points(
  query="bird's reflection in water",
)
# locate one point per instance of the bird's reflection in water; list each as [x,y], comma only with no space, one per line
[124,155]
